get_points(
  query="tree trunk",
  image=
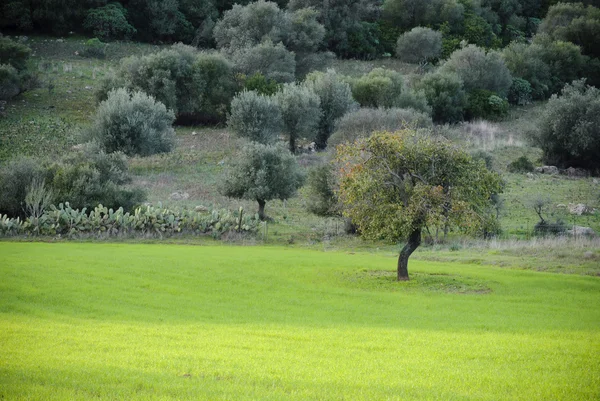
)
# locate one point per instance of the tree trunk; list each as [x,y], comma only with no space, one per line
[261,209]
[292,144]
[414,240]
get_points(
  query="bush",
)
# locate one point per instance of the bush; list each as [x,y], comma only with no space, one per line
[546,228]
[273,61]
[479,70]
[486,105]
[94,48]
[521,165]
[419,45]
[262,173]
[10,82]
[363,122]
[134,124]
[568,133]
[520,92]
[320,195]
[336,100]
[109,22]
[258,83]
[445,95]
[301,112]
[256,117]
[14,54]
[378,88]
[16,177]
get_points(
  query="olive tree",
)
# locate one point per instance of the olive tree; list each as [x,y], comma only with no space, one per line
[300,111]
[273,61]
[446,96]
[419,45]
[262,173]
[255,116]
[394,185]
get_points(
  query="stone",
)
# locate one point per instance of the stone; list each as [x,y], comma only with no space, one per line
[576,172]
[547,170]
[194,133]
[530,176]
[581,231]
[180,195]
[579,209]
[201,208]
[588,255]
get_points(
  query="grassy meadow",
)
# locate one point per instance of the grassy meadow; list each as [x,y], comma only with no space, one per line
[173,322]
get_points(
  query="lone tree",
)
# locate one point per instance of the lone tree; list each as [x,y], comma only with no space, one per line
[262,173]
[395,185]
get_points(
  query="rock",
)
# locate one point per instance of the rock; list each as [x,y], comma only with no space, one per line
[580,230]
[60,40]
[576,172]
[194,133]
[596,181]
[579,209]
[201,209]
[588,255]
[222,162]
[180,196]
[561,206]
[88,88]
[547,170]
[530,176]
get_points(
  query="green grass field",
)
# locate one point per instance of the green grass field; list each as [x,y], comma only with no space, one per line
[174,322]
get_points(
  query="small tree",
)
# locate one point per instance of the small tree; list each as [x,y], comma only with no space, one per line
[134,124]
[262,173]
[394,185]
[109,22]
[301,111]
[445,94]
[273,61]
[419,45]
[256,117]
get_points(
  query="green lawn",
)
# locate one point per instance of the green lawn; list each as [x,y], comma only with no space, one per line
[172,322]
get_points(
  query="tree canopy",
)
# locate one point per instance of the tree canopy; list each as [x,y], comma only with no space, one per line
[395,185]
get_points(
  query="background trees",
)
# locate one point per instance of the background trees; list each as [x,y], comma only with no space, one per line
[395,185]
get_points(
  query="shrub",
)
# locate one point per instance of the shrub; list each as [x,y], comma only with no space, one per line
[520,92]
[109,22]
[262,173]
[258,83]
[16,178]
[486,105]
[568,133]
[521,165]
[197,86]
[378,88]
[445,95]
[479,70]
[301,111]
[273,61]
[13,53]
[320,191]
[419,45]
[10,82]
[133,123]
[364,121]
[336,100]
[94,48]
[256,117]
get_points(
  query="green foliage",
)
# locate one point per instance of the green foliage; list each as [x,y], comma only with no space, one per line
[258,83]
[378,88]
[395,183]
[10,82]
[256,117]
[521,165]
[300,111]
[419,45]
[520,92]
[16,177]
[273,61]
[568,132]
[486,105]
[336,100]
[109,22]
[262,173]
[133,123]
[197,86]
[321,198]
[445,95]
[364,121]
[13,53]
[479,70]
[94,48]
[144,221]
